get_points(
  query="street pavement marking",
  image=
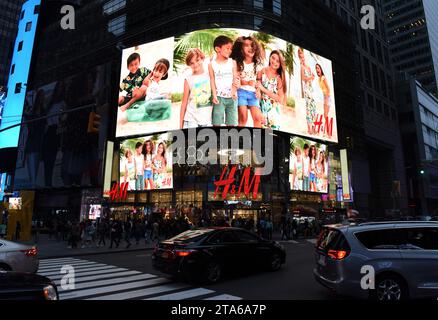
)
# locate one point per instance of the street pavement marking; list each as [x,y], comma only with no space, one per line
[94,268]
[96,281]
[101,276]
[57,261]
[88,273]
[75,265]
[183,294]
[101,283]
[312,241]
[142,293]
[120,287]
[224,297]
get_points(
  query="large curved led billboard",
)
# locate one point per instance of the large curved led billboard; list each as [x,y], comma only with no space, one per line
[226,77]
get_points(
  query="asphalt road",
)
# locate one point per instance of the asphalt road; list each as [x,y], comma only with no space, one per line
[293,282]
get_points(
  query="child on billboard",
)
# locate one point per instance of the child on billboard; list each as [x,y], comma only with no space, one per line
[196,106]
[325,88]
[152,81]
[306,168]
[129,167]
[224,81]
[132,84]
[139,166]
[148,148]
[159,165]
[248,56]
[272,84]
[307,77]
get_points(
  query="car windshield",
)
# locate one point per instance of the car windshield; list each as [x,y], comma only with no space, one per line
[190,236]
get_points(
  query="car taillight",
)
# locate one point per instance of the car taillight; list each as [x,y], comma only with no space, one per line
[30,252]
[184,253]
[338,254]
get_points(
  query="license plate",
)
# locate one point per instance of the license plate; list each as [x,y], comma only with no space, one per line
[322,260]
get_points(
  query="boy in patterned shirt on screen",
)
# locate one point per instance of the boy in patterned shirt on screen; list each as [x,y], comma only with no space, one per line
[133,83]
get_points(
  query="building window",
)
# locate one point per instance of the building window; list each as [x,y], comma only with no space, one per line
[36,10]
[117,26]
[22,15]
[18,87]
[28,26]
[13,69]
[20,45]
[113,6]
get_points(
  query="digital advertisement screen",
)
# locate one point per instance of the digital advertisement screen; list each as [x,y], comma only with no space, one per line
[146,163]
[226,77]
[14,203]
[308,166]
[95,211]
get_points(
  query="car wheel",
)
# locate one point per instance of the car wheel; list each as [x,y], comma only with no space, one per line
[275,262]
[4,267]
[213,272]
[390,288]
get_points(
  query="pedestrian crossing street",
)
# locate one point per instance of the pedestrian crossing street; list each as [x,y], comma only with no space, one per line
[99,281]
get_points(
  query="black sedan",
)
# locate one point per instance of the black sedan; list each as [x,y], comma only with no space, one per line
[26,286]
[207,253]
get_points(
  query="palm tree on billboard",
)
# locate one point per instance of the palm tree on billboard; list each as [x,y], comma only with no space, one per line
[289,61]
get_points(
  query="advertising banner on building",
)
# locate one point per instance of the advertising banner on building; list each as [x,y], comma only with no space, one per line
[226,77]
[146,163]
[308,166]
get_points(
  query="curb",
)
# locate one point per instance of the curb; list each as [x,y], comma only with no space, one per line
[79,254]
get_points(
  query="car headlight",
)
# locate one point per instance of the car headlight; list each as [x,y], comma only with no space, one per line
[50,293]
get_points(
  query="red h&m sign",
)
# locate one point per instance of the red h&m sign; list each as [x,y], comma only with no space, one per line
[246,183]
[119,192]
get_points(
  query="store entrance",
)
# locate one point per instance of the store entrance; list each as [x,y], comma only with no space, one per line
[239,216]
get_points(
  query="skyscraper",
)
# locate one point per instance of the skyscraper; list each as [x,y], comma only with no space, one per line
[412,32]
[382,165]
[9,17]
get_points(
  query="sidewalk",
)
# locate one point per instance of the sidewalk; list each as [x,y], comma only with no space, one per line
[51,248]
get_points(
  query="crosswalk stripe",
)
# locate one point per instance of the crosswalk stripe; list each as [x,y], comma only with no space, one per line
[49,262]
[101,276]
[312,241]
[120,287]
[75,265]
[54,273]
[224,297]
[101,283]
[183,294]
[88,273]
[142,292]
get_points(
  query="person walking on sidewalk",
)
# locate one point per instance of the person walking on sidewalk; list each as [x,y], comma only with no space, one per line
[115,234]
[155,232]
[75,235]
[101,232]
[128,230]
[269,229]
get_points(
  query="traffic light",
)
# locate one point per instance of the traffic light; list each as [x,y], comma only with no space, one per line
[93,122]
[422,171]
